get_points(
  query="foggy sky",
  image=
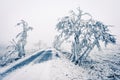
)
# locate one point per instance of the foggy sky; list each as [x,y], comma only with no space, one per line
[43,15]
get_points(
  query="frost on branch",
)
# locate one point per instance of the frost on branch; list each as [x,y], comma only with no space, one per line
[22,37]
[16,49]
[87,33]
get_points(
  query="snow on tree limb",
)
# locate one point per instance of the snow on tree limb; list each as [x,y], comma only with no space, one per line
[86,34]
[17,46]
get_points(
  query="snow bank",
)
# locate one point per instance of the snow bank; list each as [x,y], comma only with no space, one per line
[104,65]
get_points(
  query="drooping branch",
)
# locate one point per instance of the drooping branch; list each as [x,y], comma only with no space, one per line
[86,34]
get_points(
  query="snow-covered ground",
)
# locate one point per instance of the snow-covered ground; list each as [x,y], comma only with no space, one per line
[55,69]
[50,65]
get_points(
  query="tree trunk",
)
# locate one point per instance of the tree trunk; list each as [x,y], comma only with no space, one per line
[75,47]
[21,50]
[86,53]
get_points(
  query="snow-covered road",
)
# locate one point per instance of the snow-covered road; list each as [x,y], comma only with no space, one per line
[45,65]
[34,59]
[31,72]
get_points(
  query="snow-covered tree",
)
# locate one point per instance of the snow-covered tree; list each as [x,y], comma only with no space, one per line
[16,49]
[22,37]
[87,33]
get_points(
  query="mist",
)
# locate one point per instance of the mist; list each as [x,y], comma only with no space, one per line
[43,16]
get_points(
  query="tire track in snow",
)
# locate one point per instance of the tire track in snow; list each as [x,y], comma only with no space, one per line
[21,64]
[44,57]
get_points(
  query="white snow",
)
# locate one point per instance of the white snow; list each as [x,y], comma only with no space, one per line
[57,69]
[31,72]
[105,66]
[2,69]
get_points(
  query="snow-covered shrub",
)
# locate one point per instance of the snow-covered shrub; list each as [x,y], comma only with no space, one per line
[16,49]
[87,33]
[10,54]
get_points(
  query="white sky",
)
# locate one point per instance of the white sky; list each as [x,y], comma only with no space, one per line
[42,15]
